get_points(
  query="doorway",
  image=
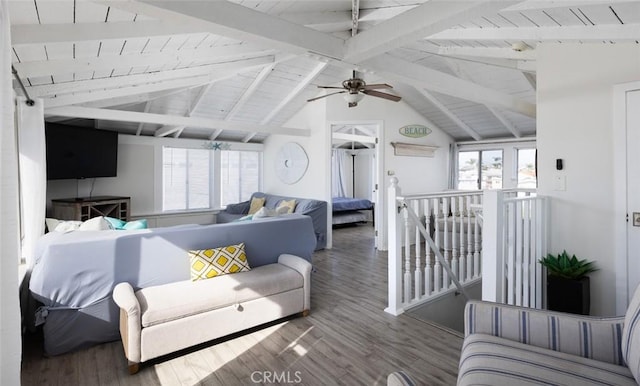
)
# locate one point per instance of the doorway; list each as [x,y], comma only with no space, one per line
[357,144]
[627,188]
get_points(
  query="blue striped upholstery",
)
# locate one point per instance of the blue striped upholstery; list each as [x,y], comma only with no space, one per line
[588,337]
[631,336]
[490,360]
[400,378]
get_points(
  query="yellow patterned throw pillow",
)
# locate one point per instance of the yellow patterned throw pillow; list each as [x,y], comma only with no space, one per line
[208,263]
[285,206]
[256,204]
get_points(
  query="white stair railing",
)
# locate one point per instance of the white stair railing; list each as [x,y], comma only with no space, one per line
[438,241]
[514,239]
[442,225]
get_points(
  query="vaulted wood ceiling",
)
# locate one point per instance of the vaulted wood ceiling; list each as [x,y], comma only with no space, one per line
[238,70]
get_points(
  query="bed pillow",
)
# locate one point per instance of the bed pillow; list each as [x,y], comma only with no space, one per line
[95,224]
[208,263]
[256,204]
[51,223]
[286,206]
[135,224]
[67,226]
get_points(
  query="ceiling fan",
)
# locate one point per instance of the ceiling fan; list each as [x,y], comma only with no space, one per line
[355,89]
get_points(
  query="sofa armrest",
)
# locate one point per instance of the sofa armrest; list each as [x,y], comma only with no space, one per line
[304,268]
[239,208]
[130,322]
[589,337]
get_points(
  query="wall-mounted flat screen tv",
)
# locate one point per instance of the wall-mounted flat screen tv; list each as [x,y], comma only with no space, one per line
[78,152]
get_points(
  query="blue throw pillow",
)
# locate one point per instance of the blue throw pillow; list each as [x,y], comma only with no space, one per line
[116,223]
[136,224]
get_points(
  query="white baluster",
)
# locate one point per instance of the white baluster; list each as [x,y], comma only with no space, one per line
[463,214]
[407,258]
[418,271]
[428,253]
[447,238]
[476,247]
[470,218]
[526,258]
[510,247]
[454,238]
[437,268]
[518,266]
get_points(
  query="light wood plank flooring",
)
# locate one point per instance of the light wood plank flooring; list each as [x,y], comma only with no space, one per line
[347,339]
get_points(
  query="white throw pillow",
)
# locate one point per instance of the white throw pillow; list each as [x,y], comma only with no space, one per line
[67,226]
[264,212]
[96,224]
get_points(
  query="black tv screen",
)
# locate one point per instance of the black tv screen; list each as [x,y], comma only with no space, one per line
[77,152]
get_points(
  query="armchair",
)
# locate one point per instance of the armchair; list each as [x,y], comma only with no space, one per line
[505,345]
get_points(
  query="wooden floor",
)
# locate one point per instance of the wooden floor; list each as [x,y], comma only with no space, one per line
[347,339]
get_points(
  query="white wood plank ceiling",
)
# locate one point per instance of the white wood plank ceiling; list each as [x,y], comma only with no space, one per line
[238,70]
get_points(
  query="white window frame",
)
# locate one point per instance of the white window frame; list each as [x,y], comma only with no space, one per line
[214,197]
[509,155]
[212,189]
[218,171]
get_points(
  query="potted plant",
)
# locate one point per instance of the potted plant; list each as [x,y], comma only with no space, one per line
[567,283]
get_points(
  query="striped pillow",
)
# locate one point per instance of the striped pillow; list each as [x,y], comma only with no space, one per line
[631,336]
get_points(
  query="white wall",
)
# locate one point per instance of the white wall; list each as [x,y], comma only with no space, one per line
[315,183]
[575,124]
[415,174]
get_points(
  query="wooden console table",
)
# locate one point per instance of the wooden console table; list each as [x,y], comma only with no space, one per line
[84,208]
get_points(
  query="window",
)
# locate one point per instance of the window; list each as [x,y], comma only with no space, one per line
[186,179]
[527,174]
[240,172]
[480,169]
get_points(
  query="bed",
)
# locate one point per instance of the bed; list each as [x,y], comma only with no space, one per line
[347,210]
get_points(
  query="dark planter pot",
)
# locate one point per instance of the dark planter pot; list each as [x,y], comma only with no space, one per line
[568,295]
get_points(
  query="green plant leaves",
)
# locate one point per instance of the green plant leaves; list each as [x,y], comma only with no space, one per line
[567,267]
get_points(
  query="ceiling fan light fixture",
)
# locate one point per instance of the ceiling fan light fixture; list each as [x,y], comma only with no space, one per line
[353,98]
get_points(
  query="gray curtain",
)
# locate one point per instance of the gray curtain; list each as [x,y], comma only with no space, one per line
[453,165]
[338,178]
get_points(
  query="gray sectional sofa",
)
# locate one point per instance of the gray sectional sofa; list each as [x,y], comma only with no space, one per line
[75,273]
[316,209]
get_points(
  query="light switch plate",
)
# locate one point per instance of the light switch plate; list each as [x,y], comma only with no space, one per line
[636,219]
[560,183]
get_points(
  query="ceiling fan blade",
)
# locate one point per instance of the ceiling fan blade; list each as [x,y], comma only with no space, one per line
[339,88]
[377,86]
[324,96]
[383,95]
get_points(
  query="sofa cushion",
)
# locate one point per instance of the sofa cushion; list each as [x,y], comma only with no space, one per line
[631,336]
[286,206]
[163,303]
[490,360]
[256,204]
[209,263]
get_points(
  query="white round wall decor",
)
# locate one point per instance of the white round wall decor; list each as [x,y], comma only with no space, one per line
[291,163]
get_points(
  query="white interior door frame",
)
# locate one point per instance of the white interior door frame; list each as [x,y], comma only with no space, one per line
[621,239]
[379,194]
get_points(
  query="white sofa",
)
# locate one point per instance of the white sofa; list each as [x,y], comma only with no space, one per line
[159,320]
